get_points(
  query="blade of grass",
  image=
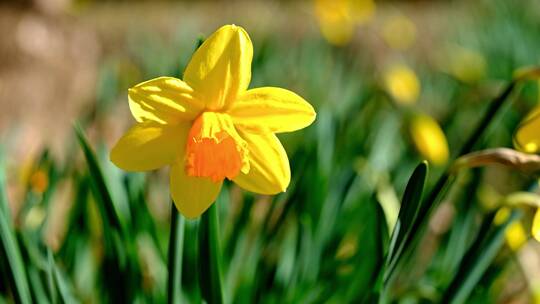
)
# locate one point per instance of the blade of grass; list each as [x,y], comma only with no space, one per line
[210,281]
[176,244]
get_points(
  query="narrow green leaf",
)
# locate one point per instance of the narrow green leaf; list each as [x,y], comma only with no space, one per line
[63,286]
[408,212]
[51,285]
[176,244]
[120,256]
[4,207]
[100,190]
[59,287]
[477,259]
[38,290]
[210,281]
[9,249]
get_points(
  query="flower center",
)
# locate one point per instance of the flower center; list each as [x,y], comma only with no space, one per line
[214,149]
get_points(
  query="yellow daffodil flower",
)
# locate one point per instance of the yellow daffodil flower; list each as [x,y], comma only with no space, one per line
[515,235]
[209,126]
[399,32]
[429,139]
[527,136]
[467,65]
[339,18]
[402,84]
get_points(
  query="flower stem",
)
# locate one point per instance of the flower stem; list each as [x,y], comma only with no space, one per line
[210,257]
[176,244]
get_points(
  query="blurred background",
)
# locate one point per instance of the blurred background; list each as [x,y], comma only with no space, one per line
[393,83]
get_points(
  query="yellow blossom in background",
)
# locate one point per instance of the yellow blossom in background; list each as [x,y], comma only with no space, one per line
[429,139]
[35,217]
[535,230]
[338,18]
[466,64]
[209,126]
[399,32]
[527,135]
[402,84]
[39,181]
[515,235]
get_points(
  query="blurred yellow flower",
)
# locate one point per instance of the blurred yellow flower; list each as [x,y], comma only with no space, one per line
[466,64]
[39,181]
[209,126]
[527,136]
[536,225]
[515,235]
[338,18]
[402,84]
[429,139]
[399,32]
[35,217]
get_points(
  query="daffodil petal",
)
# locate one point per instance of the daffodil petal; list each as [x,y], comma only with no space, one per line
[163,100]
[149,145]
[536,225]
[221,68]
[274,109]
[527,137]
[269,171]
[192,195]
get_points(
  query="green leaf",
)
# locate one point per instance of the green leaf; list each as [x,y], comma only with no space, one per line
[408,212]
[9,248]
[4,207]
[476,261]
[51,285]
[38,290]
[120,264]
[59,283]
[99,187]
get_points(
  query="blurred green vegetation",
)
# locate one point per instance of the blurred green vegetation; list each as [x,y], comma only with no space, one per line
[328,237]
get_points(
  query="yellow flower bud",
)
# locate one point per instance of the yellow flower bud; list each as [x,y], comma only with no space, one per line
[429,139]
[399,32]
[338,18]
[402,84]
